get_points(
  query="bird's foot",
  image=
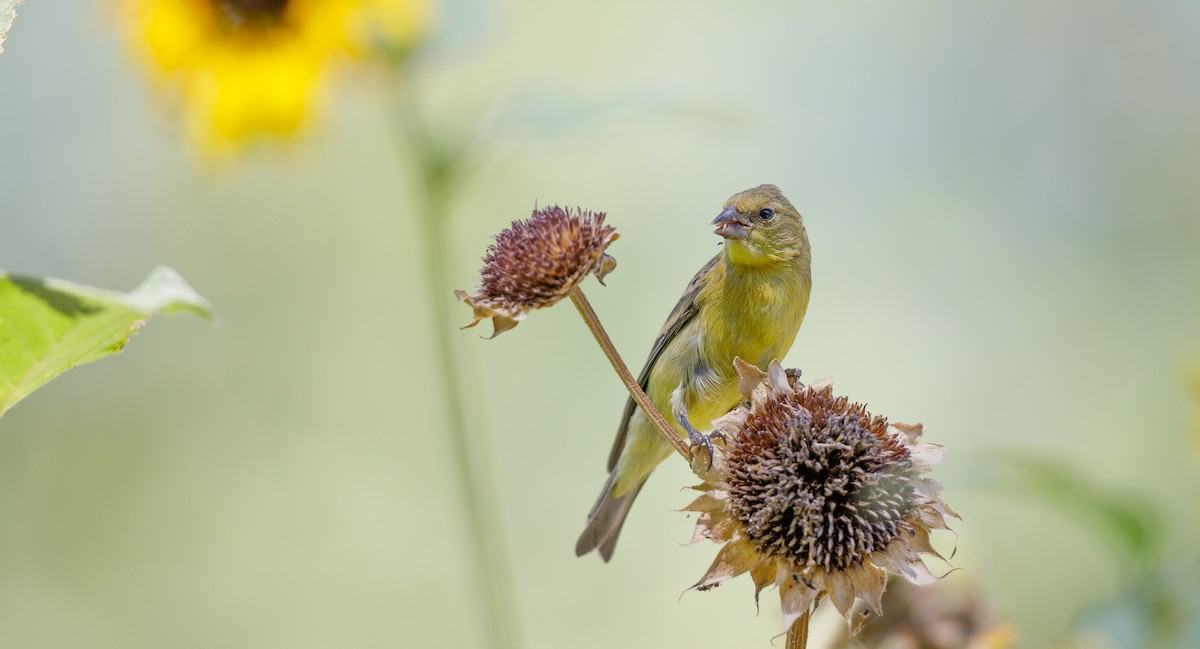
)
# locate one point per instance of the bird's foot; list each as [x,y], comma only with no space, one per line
[699,439]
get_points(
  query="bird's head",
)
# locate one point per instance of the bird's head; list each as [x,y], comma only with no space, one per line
[760,226]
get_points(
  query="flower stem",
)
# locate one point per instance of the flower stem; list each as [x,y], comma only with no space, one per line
[437,173]
[631,384]
[797,637]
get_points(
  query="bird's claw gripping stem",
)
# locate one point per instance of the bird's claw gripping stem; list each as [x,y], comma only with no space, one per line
[698,438]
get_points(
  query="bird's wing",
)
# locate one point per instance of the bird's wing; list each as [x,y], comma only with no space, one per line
[682,314]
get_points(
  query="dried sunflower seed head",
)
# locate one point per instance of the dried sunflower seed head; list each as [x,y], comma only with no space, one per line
[812,493]
[536,262]
[944,616]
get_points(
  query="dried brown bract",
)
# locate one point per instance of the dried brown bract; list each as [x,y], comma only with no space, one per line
[537,262]
[813,494]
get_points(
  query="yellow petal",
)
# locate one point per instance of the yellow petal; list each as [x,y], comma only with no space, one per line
[399,24]
[172,31]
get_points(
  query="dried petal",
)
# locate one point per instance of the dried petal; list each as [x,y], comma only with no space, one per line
[911,431]
[705,503]
[779,379]
[920,541]
[716,526]
[729,423]
[795,598]
[736,557]
[606,265]
[763,575]
[749,376]
[869,584]
[841,591]
[926,455]
[821,384]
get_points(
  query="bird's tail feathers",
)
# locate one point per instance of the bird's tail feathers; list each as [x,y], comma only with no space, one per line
[605,521]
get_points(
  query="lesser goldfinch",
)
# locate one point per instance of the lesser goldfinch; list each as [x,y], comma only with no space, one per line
[747,301]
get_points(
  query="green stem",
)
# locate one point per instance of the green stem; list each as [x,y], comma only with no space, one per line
[494,593]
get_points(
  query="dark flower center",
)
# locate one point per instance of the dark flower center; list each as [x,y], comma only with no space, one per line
[239,13]
[818,480]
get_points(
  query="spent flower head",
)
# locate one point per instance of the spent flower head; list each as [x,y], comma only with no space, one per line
[942,616]
[811,493]
[537,262]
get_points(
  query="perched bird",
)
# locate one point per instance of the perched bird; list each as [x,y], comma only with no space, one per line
[747,301]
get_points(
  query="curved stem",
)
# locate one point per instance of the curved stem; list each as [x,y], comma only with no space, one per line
[470,470]
[797,637]
[631,384]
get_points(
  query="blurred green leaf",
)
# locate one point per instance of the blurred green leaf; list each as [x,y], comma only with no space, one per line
[8,13]
[1157,608]
[1124,519]
[48,326]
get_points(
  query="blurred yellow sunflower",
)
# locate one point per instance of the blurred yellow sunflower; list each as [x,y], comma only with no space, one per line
[248,68]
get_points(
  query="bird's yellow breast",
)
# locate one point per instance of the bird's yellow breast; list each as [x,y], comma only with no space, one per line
[749,312]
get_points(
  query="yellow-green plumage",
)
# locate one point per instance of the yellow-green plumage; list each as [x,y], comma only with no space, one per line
[747,301]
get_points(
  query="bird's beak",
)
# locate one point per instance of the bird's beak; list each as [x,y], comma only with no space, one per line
[732,225]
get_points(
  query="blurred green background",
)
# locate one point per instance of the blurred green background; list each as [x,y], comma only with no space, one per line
[1003,205]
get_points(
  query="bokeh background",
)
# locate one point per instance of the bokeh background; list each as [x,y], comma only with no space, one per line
[1003,204]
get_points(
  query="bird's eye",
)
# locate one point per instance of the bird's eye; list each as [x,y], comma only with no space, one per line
[766,214]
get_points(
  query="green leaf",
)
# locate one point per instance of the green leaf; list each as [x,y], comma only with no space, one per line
[48,326]
[1126,519]
[8,13]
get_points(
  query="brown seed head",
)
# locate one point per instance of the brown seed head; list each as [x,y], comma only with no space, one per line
[537,262]
[250,13]
[817,479]
[811,493]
